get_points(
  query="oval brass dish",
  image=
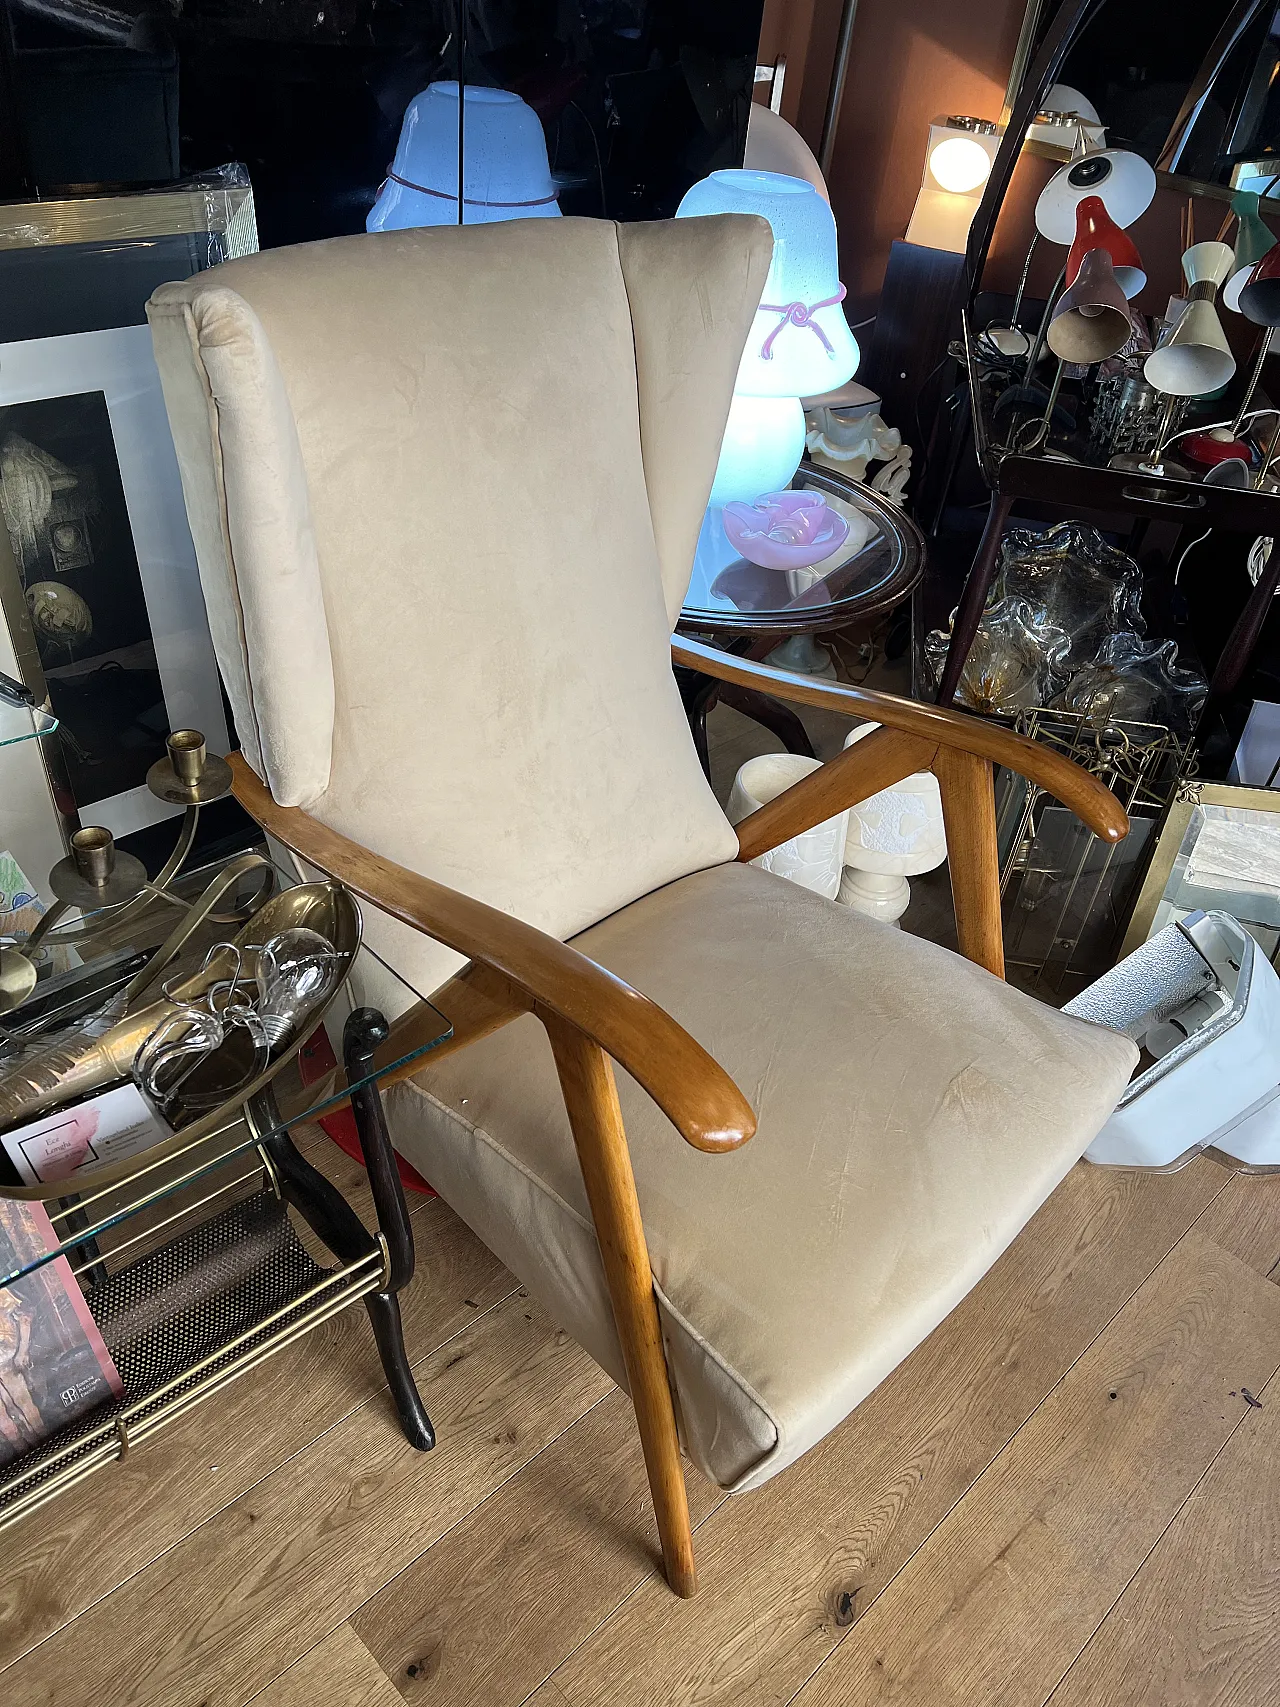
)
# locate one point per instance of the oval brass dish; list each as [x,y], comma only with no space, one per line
[86,1064]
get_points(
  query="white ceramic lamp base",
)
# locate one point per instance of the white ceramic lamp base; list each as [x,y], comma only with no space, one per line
[878,894]
[892,836]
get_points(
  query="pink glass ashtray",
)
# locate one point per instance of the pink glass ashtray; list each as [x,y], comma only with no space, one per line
[785,530]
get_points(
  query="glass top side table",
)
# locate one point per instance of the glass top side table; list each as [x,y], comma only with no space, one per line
[876,568]
[195,1258]
[749,609]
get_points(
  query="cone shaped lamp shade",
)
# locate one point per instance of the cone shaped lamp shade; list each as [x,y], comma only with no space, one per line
[1095,229]
[800,344]
[506,168]
[1197,358]
[1124,182]
[1092,319]
[1208,264]
[1260,297]
[1253,241]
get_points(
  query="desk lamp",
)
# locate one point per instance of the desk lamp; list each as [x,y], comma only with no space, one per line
[799,344]
[957,164]
[507,175]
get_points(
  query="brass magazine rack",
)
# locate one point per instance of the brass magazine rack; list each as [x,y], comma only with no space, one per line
[205,1253]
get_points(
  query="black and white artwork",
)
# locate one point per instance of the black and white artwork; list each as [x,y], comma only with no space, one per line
[64,508]
[92,504]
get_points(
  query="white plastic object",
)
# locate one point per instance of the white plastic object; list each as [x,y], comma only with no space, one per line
[1218,1084]
[813,860]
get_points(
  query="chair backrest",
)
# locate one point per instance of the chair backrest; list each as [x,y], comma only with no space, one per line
[445,488]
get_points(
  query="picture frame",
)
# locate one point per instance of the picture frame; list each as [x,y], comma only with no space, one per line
[105,387]
[79,385]
[1219,848]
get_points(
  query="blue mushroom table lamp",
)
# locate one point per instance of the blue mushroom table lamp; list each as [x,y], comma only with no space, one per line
[799,345]
[506,171]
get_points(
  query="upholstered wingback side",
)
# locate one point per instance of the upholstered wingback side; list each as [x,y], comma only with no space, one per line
[445,488]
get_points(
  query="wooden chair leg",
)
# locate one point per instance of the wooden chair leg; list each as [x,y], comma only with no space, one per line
[591,1097]
[969,816]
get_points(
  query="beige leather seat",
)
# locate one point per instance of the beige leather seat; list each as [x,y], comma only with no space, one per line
[445,488]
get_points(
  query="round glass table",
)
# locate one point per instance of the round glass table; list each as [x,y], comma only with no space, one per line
[749,609]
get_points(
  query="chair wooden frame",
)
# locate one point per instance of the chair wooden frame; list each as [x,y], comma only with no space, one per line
[593,1018]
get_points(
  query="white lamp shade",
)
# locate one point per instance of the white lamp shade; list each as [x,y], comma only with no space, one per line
[957,164]
[507,172]
[1208,263]
[1234,285]
[775,146]
[800,344]
[1196,359]
[1124,182]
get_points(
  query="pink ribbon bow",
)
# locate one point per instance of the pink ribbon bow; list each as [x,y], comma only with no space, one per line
[798,314]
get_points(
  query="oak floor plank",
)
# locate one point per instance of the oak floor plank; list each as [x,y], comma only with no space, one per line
[1245,1220]
[482,1617]
[78,1548]
[786,1571]
[998,1603]
[230,1607]
[1198,1622]
[339,1670]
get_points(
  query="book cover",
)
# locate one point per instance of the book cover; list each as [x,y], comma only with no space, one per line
[54,1364]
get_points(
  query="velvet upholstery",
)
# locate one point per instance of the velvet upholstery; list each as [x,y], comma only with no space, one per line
[914,1111]
[445,488]
[416,466]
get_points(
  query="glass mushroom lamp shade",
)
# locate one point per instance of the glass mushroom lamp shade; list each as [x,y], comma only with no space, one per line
[505,153]
[799,344]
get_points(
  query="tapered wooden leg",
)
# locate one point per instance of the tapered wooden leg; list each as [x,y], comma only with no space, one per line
[969,817]
[591,1097]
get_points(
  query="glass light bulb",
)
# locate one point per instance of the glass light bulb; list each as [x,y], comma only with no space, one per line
[296,970]
[960,164]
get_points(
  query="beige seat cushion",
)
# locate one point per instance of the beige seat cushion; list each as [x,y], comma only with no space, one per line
[914,1112]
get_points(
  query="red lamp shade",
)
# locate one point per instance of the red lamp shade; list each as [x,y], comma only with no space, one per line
[1095,229]
[1260,298]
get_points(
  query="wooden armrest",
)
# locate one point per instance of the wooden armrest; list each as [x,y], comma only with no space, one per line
[692,1089]
[932,727]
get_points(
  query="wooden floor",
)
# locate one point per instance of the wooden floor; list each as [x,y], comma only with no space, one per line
[1069,1493]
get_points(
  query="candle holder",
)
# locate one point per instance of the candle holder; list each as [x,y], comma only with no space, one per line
[107,884]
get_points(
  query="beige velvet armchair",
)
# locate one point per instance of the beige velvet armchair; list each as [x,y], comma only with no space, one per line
[445,488]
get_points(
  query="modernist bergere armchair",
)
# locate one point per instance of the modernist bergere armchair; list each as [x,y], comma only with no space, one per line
[445,488]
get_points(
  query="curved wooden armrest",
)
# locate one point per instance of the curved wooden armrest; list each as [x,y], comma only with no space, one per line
[933,727]
[692,1089]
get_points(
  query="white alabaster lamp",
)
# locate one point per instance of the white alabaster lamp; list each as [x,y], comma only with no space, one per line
[799,344]
[811,859]
[894,835]
[505,162]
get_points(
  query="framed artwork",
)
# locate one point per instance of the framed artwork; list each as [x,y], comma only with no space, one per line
[92,505]
[99,592]
[1219,847]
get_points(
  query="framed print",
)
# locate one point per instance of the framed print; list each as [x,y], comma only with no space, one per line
[100,605]
[92,504]
[1219,848]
